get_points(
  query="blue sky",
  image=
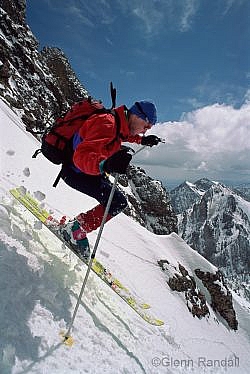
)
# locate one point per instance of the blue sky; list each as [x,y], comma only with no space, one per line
[185,55]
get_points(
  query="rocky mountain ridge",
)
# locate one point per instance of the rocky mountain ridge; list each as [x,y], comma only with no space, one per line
[37,85]
[186,194]
[216,223]
[148,201]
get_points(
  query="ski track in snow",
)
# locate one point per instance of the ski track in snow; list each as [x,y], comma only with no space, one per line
[21,240]
[49,292]
[40,280]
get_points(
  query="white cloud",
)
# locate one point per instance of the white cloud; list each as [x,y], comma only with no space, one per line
[109,41]
[219,128]
[189,10]
[229,4]
[203,166]
[150,16]
[212,141]
[155,15]
[77,12]
[247,96]
[91,13]
[128,73]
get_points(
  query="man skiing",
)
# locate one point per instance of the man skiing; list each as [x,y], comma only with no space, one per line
[98,152]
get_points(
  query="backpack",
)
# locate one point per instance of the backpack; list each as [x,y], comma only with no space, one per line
[57,141]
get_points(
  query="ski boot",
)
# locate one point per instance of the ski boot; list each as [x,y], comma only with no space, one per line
[75,236]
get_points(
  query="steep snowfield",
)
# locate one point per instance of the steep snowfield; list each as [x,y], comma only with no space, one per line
[40,280]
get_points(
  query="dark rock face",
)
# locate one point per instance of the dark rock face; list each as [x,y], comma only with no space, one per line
[182,197]
[15,10]
[149,202]
[204,184]
[63,74]
[221,297]
[186,194]
[218,227]
[39,85]
[184,283]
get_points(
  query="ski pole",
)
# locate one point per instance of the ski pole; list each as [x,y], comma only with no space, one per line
[67,335]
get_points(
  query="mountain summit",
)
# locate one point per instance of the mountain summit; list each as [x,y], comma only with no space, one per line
[215,221]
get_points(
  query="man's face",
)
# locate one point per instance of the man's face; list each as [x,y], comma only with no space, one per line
[137,125]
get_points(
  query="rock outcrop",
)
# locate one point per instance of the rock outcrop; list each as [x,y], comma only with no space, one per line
[37,85]
[217,295]
[221,297]
[149,202]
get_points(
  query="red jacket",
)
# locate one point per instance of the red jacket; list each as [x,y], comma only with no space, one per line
[100,140]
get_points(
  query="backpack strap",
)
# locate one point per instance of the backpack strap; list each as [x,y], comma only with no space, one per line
[117,123]
[57,178]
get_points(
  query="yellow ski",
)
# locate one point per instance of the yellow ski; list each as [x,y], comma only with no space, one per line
[34,206]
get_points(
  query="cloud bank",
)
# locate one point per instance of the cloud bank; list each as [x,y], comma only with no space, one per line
[212,141]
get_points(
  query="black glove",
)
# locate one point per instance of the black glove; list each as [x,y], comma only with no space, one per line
[150,140]
[118,162]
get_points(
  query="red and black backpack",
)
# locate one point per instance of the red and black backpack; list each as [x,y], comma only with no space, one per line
[57,141]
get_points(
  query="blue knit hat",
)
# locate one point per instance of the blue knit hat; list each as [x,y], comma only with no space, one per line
[144,110]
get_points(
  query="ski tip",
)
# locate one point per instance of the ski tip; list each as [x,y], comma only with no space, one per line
[67,339]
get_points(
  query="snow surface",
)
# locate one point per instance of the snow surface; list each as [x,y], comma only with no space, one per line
[195,189]
[40,281]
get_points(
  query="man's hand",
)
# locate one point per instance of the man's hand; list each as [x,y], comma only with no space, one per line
[118,162]
[150,140]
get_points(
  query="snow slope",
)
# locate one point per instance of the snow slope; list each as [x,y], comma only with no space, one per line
[40,280]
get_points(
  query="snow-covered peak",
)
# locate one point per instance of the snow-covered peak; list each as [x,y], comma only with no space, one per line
[191,185]
[187,193]
[184,196]
[204,184]
[218,226]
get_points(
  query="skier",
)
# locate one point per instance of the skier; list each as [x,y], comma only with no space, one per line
[98,152]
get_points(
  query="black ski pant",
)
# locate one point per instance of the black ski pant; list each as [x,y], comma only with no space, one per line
[96,186]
